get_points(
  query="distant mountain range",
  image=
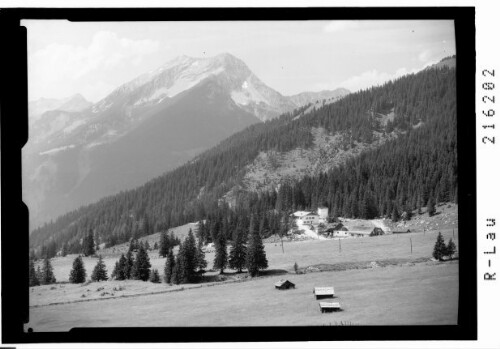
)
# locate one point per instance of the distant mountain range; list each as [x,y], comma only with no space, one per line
[374,153]
[79,152]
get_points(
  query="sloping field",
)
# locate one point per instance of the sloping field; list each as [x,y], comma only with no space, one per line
[412,295]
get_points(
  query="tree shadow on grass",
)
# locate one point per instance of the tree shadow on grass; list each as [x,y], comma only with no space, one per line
[272,272]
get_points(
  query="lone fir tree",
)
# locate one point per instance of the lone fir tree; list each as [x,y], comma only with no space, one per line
[439,248]
[141,267]
[78,272]
[47,274]
[238,252]
[256,256]
[99,273]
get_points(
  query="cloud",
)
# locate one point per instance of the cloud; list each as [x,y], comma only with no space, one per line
[432,56]
[373,78]
[340,26]
[58,66]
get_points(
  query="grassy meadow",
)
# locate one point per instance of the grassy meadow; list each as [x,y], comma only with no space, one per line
[425,292]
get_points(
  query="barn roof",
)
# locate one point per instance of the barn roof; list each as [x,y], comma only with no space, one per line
[335,305]
[323,291]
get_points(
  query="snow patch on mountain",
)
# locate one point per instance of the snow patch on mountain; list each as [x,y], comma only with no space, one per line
[189,76]
[56,150]
[247,94]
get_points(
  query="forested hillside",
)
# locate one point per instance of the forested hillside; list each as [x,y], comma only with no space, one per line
[418,166]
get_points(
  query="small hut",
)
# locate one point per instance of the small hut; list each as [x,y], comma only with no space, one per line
[324,292]
[284,285]
[326,307]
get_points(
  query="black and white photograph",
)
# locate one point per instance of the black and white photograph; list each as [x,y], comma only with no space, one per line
[256,173]
[241,175]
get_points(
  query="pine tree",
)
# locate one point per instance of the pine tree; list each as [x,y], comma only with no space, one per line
[99,273]
[431,206]
[451,248]
[128,265]
[119,273]
[47,273]
[439,248]
[78,272]
[164,245]
[146,246]
[220,260]
[238,253]
[155,246]
[189,258]
[88,244]
[395,214]
[116,271]
[201,262]
[256,256]
[155,276]
[169,267]
[33,279]
[141,267]
[176,272]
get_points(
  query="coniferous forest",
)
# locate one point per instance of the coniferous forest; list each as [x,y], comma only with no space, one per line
[417,168]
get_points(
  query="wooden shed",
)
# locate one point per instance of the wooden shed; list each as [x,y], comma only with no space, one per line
[329,306]
[324,292]
[284,285]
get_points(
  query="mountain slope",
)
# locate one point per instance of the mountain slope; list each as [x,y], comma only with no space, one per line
[78,154]
[143,128]
[412,118]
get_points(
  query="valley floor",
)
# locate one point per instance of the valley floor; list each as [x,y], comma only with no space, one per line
[378,280]
[422,294]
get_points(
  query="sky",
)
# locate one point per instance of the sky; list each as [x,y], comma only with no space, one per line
[94,58]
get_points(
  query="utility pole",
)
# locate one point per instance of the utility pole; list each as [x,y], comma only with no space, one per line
[411,247]
[340,246]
